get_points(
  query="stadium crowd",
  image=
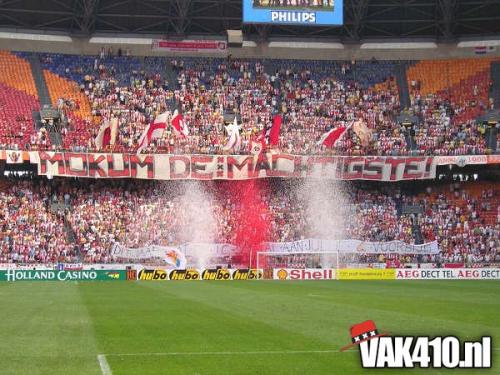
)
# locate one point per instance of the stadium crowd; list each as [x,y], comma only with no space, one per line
[312,98]
[30,231]
[44,222]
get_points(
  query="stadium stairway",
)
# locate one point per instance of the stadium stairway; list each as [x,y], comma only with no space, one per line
[55,138]
[402,81]
[417,234]
[60,209]
[70,234]
[269,68]
[40,83]
[495,79]
[43,96]
[171,76]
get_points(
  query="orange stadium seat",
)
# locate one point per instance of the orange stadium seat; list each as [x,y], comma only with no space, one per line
[438,75]
[16,73]
[62,88]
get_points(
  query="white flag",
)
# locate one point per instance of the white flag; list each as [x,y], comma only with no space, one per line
[234,136]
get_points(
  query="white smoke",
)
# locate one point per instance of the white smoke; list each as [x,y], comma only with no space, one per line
[326,208]
[199,225]
[326,211]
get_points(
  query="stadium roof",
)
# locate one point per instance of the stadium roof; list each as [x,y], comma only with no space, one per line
[439,20]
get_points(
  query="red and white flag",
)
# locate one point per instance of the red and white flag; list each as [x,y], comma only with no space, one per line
[179,125]
[330,138]
[153,131]
[271,134]
[103,138]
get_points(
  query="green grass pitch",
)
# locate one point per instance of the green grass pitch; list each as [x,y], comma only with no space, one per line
[229,327]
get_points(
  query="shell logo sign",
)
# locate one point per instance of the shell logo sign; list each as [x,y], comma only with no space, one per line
[282,274]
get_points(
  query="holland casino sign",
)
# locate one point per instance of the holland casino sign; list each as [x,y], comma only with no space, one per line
[32,275]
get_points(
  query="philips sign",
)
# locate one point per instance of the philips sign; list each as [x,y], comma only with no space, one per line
[293,17]
[291,12]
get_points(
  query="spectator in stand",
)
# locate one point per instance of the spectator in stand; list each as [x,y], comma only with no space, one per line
[463,219]
[31,232]
[312,99]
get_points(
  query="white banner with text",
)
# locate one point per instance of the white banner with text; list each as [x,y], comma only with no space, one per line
[232,167]
[352,246]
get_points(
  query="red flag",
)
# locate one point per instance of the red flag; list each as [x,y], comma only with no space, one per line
[106,139]
[331,137]
[270,135]
[179,125]
[275,130]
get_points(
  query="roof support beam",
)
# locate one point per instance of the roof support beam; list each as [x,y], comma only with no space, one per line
[448,11]
[183,21]
[356,11]
[85,15]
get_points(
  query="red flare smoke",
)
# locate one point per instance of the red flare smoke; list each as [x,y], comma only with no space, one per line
[250,220]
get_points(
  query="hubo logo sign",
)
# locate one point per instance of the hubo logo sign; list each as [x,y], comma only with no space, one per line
[53,275]
[216,274]
[379,350]
[189,274]
[246,274]
[152,275]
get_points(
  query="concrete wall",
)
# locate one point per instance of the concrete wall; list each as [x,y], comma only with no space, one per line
[82,46]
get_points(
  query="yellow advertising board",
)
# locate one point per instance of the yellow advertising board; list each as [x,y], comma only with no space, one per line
[366,274]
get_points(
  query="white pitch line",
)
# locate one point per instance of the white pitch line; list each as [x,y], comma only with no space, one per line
[229,353]
[105,369]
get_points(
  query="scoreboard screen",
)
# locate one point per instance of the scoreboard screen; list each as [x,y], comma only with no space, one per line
[293,12]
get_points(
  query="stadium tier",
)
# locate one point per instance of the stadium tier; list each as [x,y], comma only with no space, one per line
[445,97]
[64,221]
[249,187]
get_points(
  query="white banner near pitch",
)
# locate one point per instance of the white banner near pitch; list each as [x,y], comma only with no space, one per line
[448,274]
[170,255]
[193,249]
[353,246]
[232,167]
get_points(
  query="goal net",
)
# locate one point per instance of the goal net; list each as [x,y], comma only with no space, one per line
[320,260]
[269,260]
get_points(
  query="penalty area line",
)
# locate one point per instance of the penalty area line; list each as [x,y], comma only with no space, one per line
[105,369]
[261,352]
